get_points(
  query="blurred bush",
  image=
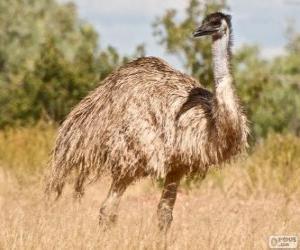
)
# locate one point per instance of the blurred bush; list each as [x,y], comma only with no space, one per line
[49,60]
[270,90]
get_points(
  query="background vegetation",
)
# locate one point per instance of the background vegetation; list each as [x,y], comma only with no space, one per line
[49,60]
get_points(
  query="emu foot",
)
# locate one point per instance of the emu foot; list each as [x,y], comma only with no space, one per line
[107,221]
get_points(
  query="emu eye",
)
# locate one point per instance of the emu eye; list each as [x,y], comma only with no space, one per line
[215,23]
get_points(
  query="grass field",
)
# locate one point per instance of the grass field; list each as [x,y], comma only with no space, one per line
[238,206]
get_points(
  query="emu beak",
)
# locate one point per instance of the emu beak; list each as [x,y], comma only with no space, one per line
[204,30]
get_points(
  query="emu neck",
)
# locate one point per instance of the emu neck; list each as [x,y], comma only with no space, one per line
[226,105]
[221,57]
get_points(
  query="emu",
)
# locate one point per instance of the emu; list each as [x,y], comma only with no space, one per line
[148,119]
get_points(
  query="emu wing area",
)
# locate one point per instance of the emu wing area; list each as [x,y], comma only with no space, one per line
[127,126]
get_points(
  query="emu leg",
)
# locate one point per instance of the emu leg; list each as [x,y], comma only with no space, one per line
[167,200]
[109,208]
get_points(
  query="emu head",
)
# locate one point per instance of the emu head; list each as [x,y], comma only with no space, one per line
[216,25]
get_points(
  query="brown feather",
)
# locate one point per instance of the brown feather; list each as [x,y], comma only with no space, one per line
[146,118]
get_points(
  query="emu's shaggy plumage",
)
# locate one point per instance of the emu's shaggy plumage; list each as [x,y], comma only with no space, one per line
[150,119]
[146,118]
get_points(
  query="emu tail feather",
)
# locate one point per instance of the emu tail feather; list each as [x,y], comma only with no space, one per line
[58,175]
[56,179]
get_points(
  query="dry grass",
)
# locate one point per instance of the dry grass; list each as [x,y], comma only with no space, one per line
[25,151]
[238,207]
